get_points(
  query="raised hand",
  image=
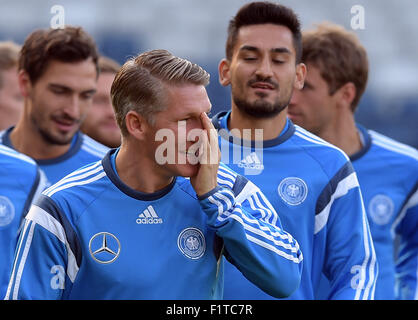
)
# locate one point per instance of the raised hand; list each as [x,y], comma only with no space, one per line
[209,156]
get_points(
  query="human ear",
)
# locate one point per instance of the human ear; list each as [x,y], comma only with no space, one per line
[224,72]
[136,125]
[25,85]
[300,76]
[346,94]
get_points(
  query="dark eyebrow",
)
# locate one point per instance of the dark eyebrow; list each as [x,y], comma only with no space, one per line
[59,86]
[248,48]
[68,89]
[274,50]
[281,50]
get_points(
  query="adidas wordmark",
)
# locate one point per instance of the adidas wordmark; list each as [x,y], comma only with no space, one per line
[149,216]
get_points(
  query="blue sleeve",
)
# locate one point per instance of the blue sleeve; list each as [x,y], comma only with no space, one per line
[251,231]
[20,185]
[407,262]
[350,260]
[46,260]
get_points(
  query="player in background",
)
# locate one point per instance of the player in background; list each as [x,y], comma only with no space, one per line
[20,184]
[387,170]
[100,123]
[58,73]
[310,183]
[133,227]
[11,99]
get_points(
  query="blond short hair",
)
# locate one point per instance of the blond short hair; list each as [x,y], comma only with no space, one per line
[139,84]
[9,57]
[108,65]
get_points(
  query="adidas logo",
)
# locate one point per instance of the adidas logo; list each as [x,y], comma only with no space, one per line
[251,162]
[149,216]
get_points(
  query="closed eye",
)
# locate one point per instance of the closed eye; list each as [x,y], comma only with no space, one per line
[88,95]
[59,90]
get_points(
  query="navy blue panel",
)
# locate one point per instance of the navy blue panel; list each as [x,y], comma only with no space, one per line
[49,206]
[240,183]
[326,194]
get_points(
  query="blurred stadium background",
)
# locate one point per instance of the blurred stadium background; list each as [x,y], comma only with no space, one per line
[196,29]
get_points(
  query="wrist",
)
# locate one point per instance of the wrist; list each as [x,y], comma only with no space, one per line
[208,194]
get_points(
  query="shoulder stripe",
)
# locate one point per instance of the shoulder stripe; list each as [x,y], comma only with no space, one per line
[391,148]
[78,183]
[46,205]
[380,137]
[342,188]
[309,134]
[74,173]
[14,154]
[60,228]
[94,152]
[315,139]
[326,194]
[392,145]
[411,202]
[95,145]
[75,176]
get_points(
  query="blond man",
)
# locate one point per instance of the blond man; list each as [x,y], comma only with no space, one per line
[11,99]
[134,227]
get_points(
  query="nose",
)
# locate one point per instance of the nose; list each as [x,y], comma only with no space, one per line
[72,109]
[264,69]
[195,126]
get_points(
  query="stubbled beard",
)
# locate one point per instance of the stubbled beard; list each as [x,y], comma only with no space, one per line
[260,108]
[51,138]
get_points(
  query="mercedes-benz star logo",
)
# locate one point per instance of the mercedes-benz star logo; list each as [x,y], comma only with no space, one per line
[104,247]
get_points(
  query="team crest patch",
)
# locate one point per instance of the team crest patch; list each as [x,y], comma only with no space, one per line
[191,243]
[381,209]
[7,211]
[293,190]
